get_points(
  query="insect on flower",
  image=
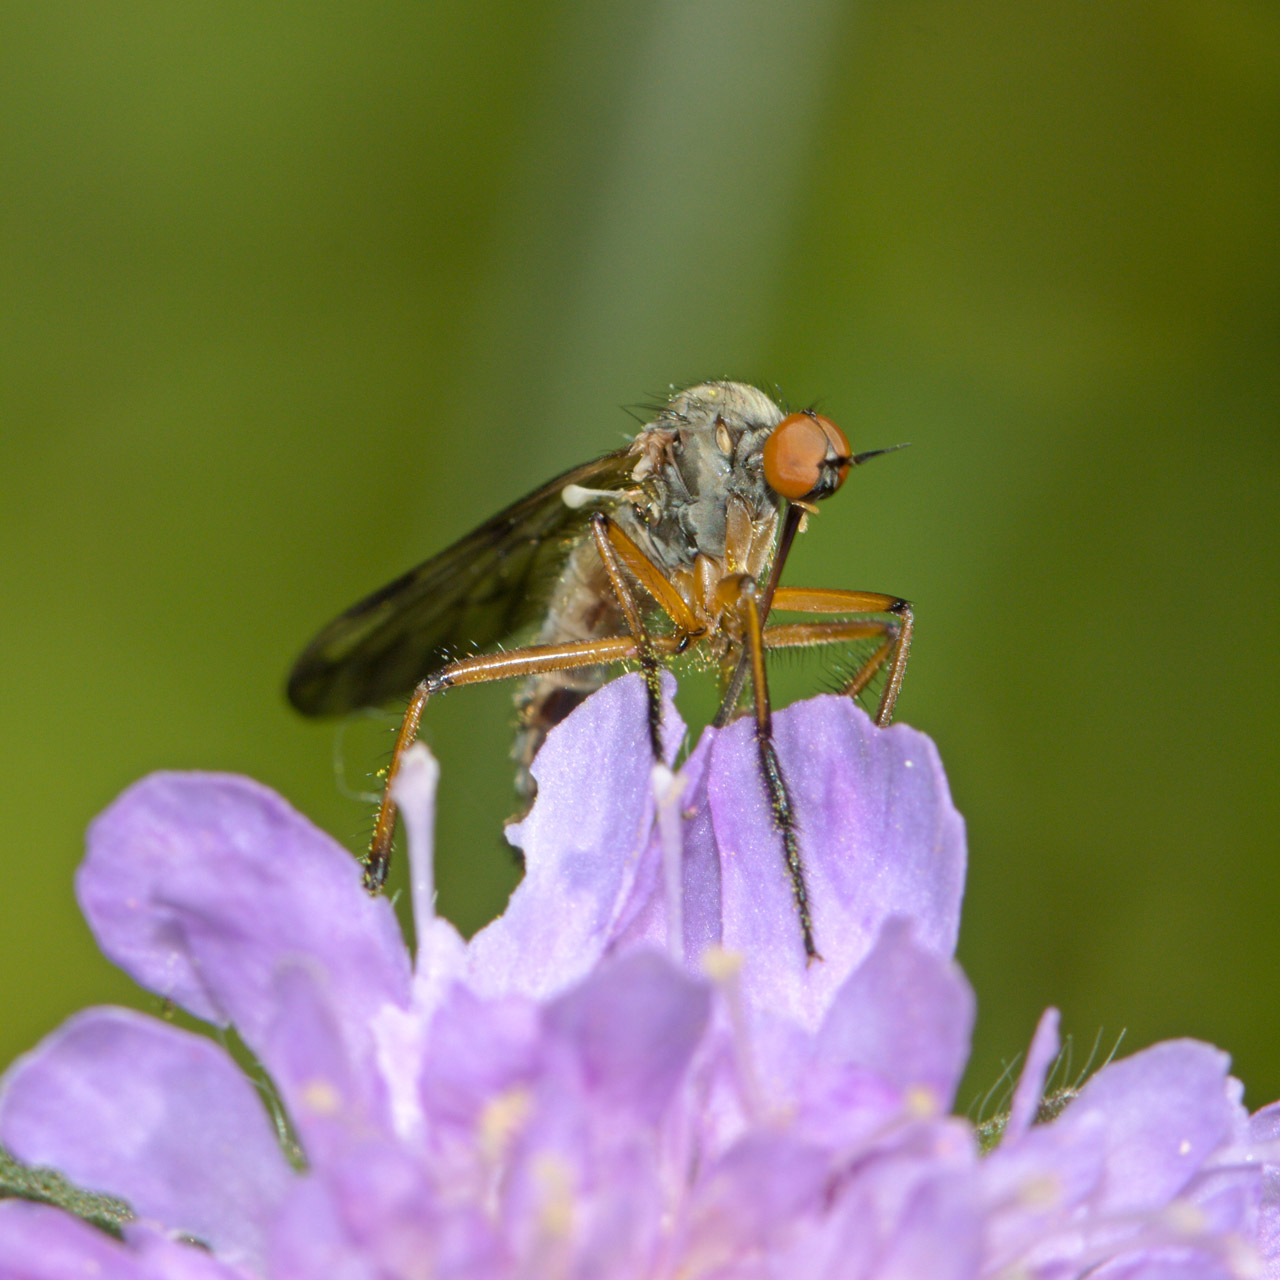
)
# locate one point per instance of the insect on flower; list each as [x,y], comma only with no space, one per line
[676,541]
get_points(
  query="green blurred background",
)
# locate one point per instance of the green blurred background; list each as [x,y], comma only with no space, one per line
[292,295]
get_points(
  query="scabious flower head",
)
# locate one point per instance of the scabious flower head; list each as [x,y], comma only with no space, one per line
[632,1073]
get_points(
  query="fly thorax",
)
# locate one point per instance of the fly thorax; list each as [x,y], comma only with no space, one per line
[703,454]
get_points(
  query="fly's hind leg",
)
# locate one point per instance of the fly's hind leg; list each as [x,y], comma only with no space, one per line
[616,551]
[513,664]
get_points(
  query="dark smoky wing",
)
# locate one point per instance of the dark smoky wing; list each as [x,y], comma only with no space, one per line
[470,596]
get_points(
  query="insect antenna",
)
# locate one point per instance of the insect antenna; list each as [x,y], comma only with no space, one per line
[859,458]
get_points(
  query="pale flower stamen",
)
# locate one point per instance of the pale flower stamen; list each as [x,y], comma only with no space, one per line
[414,791]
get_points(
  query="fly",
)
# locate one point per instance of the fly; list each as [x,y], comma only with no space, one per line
[674,542]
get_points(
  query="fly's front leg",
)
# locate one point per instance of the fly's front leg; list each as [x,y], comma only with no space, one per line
[771,769]
[618,550]
[894,634]
[532,661]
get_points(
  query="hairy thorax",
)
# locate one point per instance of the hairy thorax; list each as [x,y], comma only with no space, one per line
[700,511]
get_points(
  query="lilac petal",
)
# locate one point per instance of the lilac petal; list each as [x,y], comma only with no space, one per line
[878,835]
[333,1091]
[1226,1200]
[374,1214]
[633,1026]
[906,1014]
[645,922]
[939,1234]
[1031,1186]
[200,885]
[583,843]
[39,1242]
[582,1195]
[1073,1156]
[1030,1091]
[1168,1264]
[1264,1129]
[308,1238]
[476,1051]
[703,909]
[753,1195]
[1165,1111]
[162,1118]
[167,1258]
[667,789]
[898,1220]
[841,1245]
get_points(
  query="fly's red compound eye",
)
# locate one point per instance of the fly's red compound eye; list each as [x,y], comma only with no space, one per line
[806,456]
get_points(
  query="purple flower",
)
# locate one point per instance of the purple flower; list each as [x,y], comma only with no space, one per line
[632,1073]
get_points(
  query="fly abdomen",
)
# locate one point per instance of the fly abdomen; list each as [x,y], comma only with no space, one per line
[581,607]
